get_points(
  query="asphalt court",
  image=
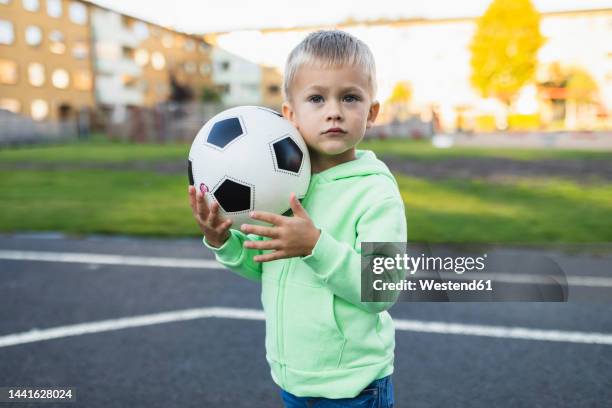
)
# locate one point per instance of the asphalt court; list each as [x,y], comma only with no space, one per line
[182,335]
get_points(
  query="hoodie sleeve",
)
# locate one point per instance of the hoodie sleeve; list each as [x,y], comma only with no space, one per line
[236,257]
[338,264]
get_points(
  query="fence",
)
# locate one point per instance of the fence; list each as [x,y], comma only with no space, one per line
[18,130]
[167,122]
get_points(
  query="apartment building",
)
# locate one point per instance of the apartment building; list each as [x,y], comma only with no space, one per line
[271,87]
[61,57]
[135,61]
[45,58]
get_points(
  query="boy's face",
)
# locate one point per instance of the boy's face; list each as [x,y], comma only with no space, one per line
[331,107]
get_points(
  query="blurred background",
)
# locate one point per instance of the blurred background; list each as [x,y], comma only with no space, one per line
[152,72]
[496,115]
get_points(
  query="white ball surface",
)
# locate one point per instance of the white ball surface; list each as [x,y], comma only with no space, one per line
[249,158]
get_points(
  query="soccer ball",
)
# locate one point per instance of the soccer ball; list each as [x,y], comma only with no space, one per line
[249,158]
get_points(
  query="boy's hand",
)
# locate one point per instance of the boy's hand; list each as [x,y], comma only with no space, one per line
[212,225]
[291,236]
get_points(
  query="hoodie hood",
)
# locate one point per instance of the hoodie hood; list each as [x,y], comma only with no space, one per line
[365,164]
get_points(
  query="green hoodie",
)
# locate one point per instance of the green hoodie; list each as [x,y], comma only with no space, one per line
[321,340]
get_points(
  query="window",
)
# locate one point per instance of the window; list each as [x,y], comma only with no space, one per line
[39,109]
[60,78]
[10,104]
[204,69]
[56,42]
[225,66]
[36,74]
[274,89]
[82,80]
[161,88]
[130,81]
[141,30]
[30,5]
[189,45]
[7,35]
[54,8]
[78,13]
[80,50]
[141,56]
[158,61]
[190,67]
[33,35]
[203,47]
[167,40]
[127,52]
[8,71]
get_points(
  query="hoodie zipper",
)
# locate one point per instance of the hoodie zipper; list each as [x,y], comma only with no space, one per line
[280,299]
[280,317]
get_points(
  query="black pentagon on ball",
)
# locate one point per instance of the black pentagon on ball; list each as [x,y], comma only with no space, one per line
[288,155]
[225,131]
[233,196]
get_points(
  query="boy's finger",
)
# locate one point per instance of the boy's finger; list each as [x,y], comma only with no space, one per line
[270,232]
[269,244]
[225,225]
[202,206]
[191,192]
[273,256]
[297,207]
[273,219]
[214,213]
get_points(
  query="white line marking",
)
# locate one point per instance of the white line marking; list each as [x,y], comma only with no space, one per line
[523,333]
[591,281]
[88,258]
[91,258]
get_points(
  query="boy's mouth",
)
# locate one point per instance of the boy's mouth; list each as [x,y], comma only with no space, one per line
[335,130]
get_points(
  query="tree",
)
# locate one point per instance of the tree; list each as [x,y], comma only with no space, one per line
[179,92]
[400,98]
[581,87]
[504,49]
[210,95]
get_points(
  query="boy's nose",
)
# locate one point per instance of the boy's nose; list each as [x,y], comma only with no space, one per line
[334,113]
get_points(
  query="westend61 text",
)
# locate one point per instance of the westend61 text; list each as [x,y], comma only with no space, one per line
[431,284]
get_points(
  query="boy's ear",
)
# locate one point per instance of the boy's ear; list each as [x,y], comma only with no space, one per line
[372,114]
[288,113]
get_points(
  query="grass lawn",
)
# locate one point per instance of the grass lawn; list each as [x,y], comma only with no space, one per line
[146,203]
[423,150]
[98,150]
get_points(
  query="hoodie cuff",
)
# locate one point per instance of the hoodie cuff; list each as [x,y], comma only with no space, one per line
[323,251]
[230,250]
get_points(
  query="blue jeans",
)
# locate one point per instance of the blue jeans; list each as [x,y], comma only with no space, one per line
[379,394]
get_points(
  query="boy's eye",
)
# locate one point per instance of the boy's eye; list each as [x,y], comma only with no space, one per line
[315,98]
[351,98]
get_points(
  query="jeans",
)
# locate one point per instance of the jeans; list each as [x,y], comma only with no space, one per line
[379,394]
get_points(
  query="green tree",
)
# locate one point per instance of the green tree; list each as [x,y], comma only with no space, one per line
[210,94]
[504,49]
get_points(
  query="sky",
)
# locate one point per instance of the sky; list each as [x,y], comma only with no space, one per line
[201,16]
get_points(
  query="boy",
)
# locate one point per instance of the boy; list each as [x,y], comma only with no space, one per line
[324,345]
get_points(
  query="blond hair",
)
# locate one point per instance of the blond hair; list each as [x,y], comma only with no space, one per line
[329,49]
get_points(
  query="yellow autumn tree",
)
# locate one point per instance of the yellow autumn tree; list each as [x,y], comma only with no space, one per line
[399,100]
[504,49]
